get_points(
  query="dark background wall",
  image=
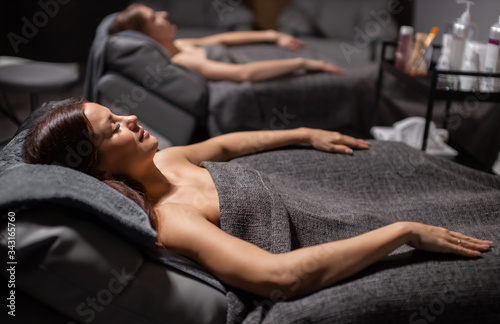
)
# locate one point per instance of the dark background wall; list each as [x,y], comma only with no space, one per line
[62,30]
[51,30]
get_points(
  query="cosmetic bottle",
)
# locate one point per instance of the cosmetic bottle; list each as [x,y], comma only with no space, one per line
[492,60]
[444,80]
[404,48]
[463,31]
[473,61]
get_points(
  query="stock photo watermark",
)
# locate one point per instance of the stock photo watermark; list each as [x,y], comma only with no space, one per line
[153,79]
[465,109]
[300,275]
[84,148]
[371,30]
[279,121]
[88,309]
[222,7]
[434,309]
[31,27]
[11,263]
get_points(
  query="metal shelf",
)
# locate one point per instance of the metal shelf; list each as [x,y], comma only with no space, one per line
[427,86]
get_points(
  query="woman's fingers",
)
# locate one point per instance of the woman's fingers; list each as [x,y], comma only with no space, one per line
[438,239]
[341,149]
[347,149]
[290,42]
[337,143]
[297,44]
[353,142]
[334,69]
[318,65]
[465,245]
[469,242]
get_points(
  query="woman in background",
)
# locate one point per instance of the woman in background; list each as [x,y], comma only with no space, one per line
[190,54]
[183,202]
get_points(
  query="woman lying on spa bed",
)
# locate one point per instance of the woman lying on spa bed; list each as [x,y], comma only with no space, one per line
[190,54]
[183,203]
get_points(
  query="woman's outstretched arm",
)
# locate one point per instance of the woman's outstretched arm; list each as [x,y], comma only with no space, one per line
[232,145]
[252,71]
[245,37]
[302,271]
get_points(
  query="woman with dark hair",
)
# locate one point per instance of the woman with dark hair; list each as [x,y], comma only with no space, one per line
[66,137]
[190,54]
[185,201]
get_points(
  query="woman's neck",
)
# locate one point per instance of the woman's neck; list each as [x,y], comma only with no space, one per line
[155,182]
[170,47]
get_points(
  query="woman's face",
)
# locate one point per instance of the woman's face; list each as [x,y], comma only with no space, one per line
[124,147]
[158,26]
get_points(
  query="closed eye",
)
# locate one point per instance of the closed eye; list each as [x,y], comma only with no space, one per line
[116,128]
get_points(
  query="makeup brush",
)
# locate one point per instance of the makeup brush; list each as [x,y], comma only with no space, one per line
[427,43]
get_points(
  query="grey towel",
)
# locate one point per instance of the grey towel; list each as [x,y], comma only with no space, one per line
[95,61]
[287,199]
[318,100]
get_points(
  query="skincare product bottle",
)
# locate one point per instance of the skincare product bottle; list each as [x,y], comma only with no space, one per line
[474,54]
[463,31]
[444,61]
[492,60]
[404,48]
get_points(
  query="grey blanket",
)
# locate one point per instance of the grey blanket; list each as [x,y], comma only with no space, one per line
[321,100]
[287,199]
[338,102]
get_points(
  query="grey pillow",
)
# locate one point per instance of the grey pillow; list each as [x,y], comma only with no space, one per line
[295,22]
[87,272]
[142,60]
[339,18]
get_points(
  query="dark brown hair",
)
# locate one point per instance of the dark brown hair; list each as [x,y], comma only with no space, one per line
[129,19]
[64,136]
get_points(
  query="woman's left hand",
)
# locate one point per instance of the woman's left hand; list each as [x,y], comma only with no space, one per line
[440,240]
[290,42]
[335,142]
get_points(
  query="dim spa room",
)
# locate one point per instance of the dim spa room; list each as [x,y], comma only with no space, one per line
[250,161]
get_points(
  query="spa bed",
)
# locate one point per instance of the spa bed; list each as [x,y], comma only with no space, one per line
[78,240]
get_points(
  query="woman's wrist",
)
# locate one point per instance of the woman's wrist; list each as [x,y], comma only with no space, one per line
[272,35]
[305,135]
[407,230]
[301,63]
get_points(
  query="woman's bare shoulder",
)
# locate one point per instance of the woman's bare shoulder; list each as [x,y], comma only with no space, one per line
[183,43]
[179,224]
[172,154]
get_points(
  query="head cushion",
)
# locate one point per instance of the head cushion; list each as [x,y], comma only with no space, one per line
[144,61]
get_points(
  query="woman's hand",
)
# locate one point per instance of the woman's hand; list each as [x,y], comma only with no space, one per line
[288,41]
[318,65]
[437,239]
[334,142]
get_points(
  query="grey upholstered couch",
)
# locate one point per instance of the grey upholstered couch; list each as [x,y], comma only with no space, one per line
[347,31]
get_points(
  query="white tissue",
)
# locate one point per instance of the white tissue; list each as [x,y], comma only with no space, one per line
[411,131]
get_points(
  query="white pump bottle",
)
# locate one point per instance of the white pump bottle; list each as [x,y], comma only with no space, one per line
[463,31]
[492,60]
